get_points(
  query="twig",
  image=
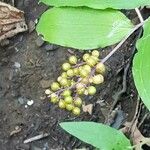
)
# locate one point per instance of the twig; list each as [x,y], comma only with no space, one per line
[121,43]
[143,119]
[139,15]
[35,138]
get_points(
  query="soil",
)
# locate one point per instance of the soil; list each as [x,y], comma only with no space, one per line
[27,68]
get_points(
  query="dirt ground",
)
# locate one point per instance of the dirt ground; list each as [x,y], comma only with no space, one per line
[27,68]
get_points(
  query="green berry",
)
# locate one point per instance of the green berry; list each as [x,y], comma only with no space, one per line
[66,66]
[86,56]
[63,82]
[78,101]
[70,73]
[85,80]
[83,73]
[87,68]
[68,99]
[81,91]
[66,93]
[53,98]
[73,60]
[64,75]
[69,107]
[62,104]
[76,111]
[91,62]
[91,90]
[100,68]
[55,86]
[95,53]
[95,58]
[98,79]
[76,71]
[59,78]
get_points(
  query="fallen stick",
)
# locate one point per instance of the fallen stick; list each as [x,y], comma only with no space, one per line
[35,138]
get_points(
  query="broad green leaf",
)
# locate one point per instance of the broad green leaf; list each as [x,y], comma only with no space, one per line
[98,135]
[99,4]
[141,66]
[83,28]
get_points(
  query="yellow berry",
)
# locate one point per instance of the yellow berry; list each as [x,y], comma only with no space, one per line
[98,79]
[55,86]
[85,80]
[76,71]
[100,68]
[95,53]
[87,68]
[83,73]
[62,104]
[91,90]
[76,111]
[66,66]
[91,62]
[70,73]
[68,99]
[69,107]
[73,60]
[63,82]
[86,56]
[66,93]
[64,75]
[78,101]
[59,78]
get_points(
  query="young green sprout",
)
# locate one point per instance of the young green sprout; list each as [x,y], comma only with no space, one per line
[77,79]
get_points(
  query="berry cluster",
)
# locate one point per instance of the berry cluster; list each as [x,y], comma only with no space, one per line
[77,79]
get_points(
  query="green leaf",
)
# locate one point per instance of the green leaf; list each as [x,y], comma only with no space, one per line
[99,4]
[98,135]
[83,28]
[141,66]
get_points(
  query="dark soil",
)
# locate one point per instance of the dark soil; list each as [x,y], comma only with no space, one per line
[27,69]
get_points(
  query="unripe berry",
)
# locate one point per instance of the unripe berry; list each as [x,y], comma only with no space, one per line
[70,73]
[81,91]
[76,71]
[53,98]
[78,101]
[55,86]
[73,60]
[69,107]
[76,111]
[91,62]
[85,80]
[83,73]
[95,53]
[64,75]
[86,56]
[66,66]
[68,99]
[100,68]
[87,68]
[59,78]
[98,79]
[62,104]
[63,82]
[91,90]
[66,93]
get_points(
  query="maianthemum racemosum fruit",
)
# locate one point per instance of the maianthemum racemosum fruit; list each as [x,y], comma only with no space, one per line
[78,78]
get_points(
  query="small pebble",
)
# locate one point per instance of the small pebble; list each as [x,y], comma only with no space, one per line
[39,41]
[47,92]
[30,102]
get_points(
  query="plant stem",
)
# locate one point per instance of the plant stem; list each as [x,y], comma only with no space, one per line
[139,15]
